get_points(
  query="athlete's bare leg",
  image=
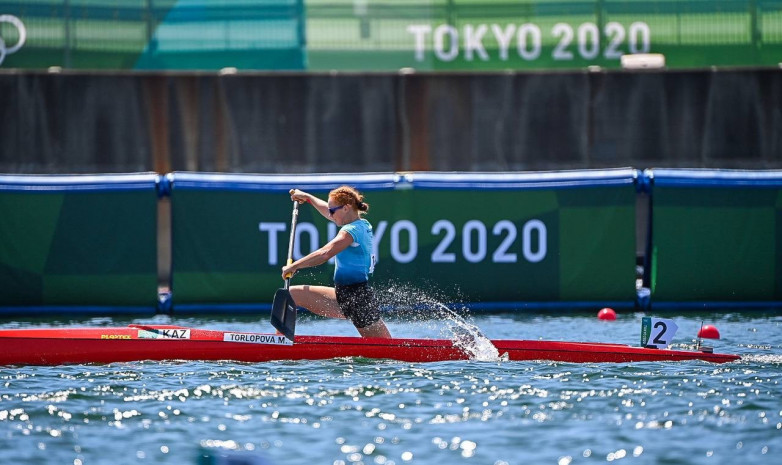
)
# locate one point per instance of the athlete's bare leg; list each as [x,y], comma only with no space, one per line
[376,329]
[321,300]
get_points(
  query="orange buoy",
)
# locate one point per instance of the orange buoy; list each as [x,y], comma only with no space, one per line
[709,332]
[606,314]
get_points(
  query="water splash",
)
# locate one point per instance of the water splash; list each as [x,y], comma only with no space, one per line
[414,304]
[469,337]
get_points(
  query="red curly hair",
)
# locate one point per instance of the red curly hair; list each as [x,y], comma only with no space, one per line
[346,195]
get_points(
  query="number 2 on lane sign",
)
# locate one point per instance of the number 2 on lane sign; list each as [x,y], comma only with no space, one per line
[657,332]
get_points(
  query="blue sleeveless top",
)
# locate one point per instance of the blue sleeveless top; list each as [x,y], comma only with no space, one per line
[356,263]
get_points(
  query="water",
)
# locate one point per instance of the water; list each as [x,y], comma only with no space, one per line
[424,308]
[349,411]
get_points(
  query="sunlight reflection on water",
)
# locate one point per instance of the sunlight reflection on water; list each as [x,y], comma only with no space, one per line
[385,412]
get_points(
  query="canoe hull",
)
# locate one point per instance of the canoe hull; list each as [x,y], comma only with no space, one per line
[55,346]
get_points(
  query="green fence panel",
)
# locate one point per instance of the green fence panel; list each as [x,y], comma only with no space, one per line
[230,233]
[540,34]
[79,241]
[386,35]
[566,238]
[153,34]
[484,240]
[715,236]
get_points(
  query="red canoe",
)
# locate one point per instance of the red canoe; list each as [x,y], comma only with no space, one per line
[56,346]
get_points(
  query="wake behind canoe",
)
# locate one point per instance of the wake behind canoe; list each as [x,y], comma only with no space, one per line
[56,346]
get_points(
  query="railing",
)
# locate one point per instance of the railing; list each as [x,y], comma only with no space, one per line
[565,240]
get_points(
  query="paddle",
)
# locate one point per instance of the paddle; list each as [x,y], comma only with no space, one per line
[283,307]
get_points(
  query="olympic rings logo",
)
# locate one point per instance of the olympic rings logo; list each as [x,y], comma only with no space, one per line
[4,50]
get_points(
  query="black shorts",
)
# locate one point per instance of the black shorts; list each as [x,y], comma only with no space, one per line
[357,302]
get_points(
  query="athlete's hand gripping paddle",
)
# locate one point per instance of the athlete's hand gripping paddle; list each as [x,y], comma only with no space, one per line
[283,307]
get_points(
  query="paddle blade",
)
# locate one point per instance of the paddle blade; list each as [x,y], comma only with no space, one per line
[284,313]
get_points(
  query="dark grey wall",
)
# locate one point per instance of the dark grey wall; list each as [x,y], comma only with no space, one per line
[87,122]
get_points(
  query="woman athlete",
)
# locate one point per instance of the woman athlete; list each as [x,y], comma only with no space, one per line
[351,297]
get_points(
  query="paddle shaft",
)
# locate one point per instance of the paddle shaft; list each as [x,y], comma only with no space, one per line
[294,220]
